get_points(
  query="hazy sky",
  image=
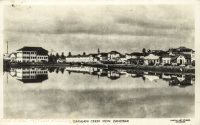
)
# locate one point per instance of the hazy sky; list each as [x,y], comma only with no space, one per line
[79,28]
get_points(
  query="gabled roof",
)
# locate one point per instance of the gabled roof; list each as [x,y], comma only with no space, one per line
[166,56]
[152,56]
[187,56]
[93,54]
[181,49]
[103,54]
[74,56]
[137,54]
[114,52]
[39,50]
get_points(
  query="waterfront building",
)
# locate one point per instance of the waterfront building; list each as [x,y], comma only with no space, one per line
[166,59]
[6,56]
[13,57]
[134,55]
[152,59]
[114,55]
[102,56]
[180,50]
[122,60]
[32,54]
[81,59]
[181,59]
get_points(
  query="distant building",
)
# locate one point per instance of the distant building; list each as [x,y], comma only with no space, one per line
[166,59]
[181,59]
[32,54]
[13,57]
[102,56]
[158,52]
[114,55]
[152,59]
[81,59]
[180,50]
[6,56]
[134,55]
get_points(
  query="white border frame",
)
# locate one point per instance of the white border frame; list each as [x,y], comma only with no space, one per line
[140,121]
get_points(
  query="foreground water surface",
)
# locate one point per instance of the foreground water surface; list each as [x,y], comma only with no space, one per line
[86,92]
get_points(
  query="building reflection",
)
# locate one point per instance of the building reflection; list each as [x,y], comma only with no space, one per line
[30,75]
[38,75]
[114,74]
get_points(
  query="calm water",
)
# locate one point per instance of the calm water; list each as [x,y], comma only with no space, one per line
[86,92]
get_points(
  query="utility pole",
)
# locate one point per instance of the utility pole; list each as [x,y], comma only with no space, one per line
[7,47]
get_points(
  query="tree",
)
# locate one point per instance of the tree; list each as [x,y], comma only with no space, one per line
[98,51]
[69,54]
[62,56]
[57,56]
[144,51]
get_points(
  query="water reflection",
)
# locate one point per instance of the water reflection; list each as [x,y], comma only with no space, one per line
[30,75]
[38,74]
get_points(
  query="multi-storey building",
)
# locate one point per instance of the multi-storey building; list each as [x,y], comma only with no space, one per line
[32,54]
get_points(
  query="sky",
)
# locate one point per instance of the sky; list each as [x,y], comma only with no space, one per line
[85,28]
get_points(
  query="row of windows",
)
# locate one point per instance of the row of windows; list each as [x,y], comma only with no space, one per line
[29,52]
[32,76]
[33,72]
[166,61]
[35,57]
[29,77]
[25,76]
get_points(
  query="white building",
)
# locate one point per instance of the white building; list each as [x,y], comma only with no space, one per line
[182,59]
[81,59]
[32,54]
[103,56]
[166,59]
[113,55]
[152,59]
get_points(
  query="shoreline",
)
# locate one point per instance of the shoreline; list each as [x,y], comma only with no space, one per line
[158,69]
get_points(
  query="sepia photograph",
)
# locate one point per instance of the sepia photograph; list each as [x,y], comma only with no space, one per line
[86,61]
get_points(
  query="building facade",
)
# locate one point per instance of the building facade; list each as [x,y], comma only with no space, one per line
[166,59]
[81,59]
[182,59]
[32,54]
[152,59]
[113,55]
